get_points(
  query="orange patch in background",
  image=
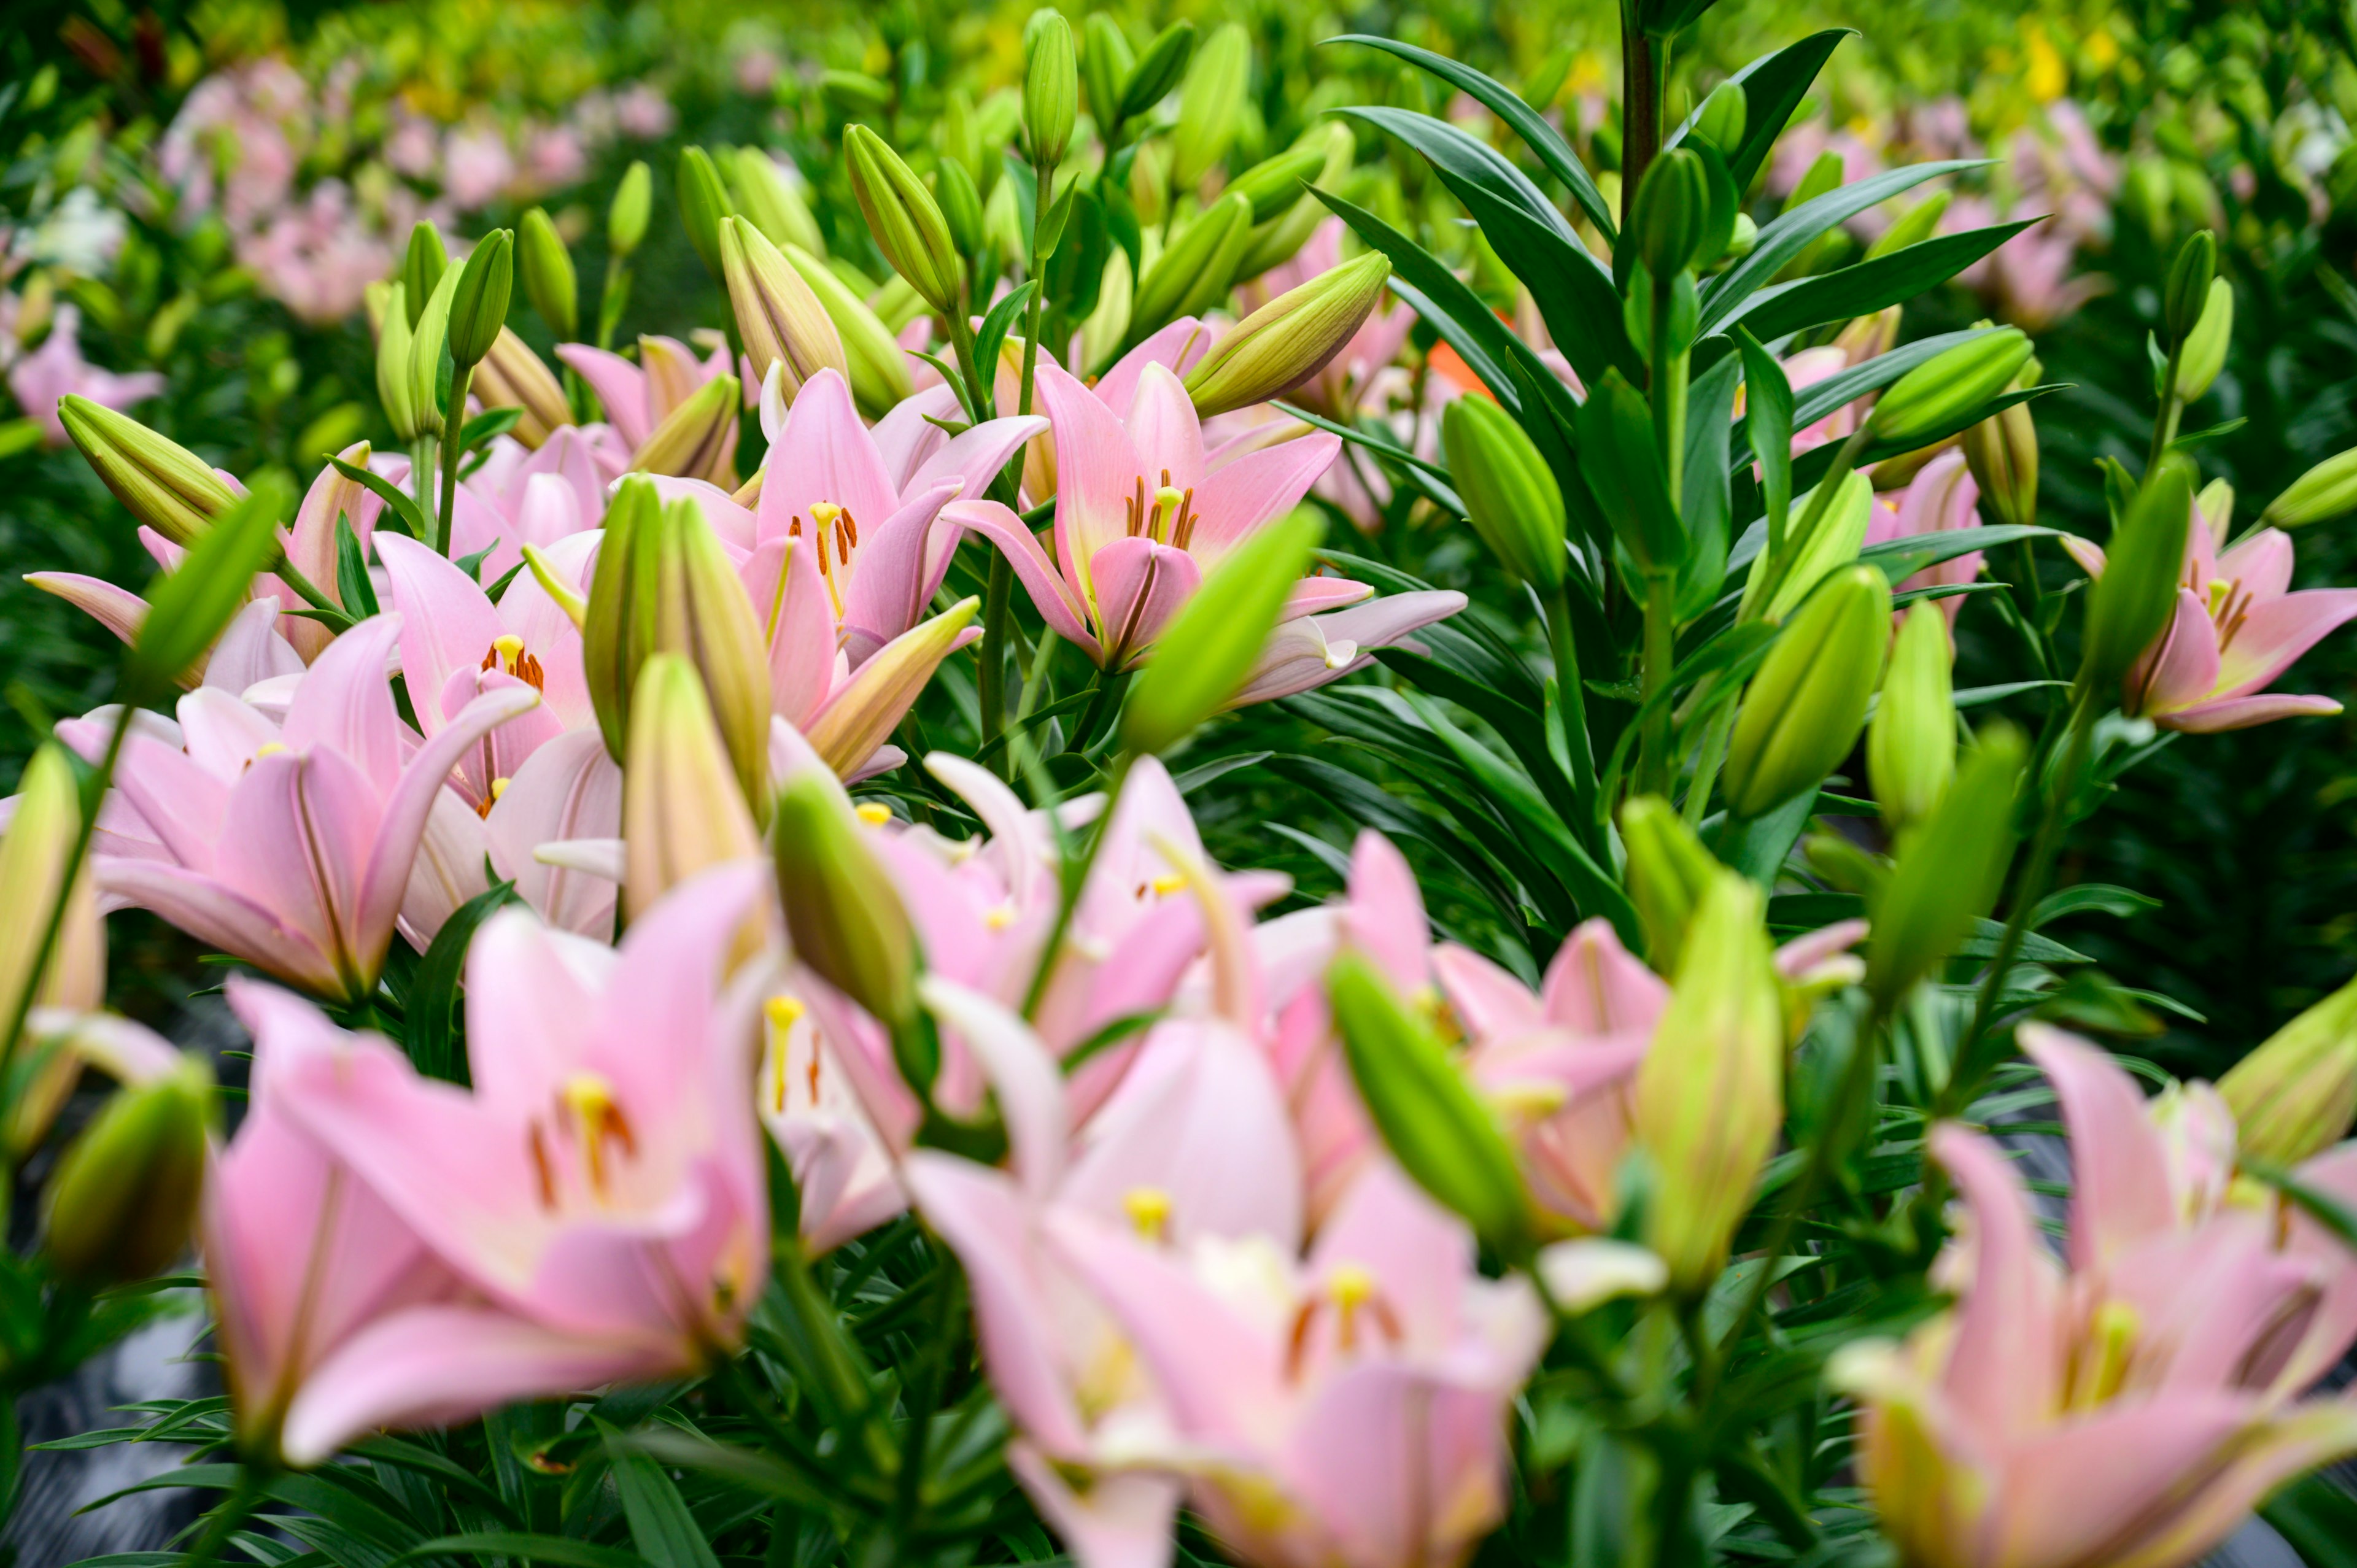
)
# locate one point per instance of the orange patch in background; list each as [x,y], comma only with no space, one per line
[1448,364]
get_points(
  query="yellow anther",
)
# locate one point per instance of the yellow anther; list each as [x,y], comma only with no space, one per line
[874,813]
[1000,917]
[783,1012]
[268,748]
[508,647]
[1148,1209]
[1533,1101]
[498,788]
[1168,884]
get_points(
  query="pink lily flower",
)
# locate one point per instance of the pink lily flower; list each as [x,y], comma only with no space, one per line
[335,1317]
[291,846]
[1940,498]
[535,497]
[2237,627]
[603,1180]
[2131,1410]
[637,397]
[57,370]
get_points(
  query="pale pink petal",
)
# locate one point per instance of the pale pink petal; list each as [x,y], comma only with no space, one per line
[1119,1521]
[345,702]
[620,385]
[1254,489]
[1385,916]
[1165,431]
[2119,1167]
[1056,603]
[1098,476]
[2277,632]
[2182,668]
[447,624]
[1596,986]
[1139,587]
[2005,1368]
[2242,713]
[2261,565]
[1178,347]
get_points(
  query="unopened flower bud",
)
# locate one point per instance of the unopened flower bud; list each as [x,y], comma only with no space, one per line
[844,915]
[1207,649]
[857,722]
[767,200]
[423,386]
[1274,183]
[1910,748]
[1195,269]
[877,368]
[1291,338]
[2296,1095]
[1669,872]
[1443,1136]
[633,204]
[2002,451]
[33,856]
[1931,400]
[422,266]
[778,318]
[1106,60]
[549,280]
[1211,105]
[1948,870]
[697,440]
[1672,210]
[905,220]
[1051,87]
[2326,490]
[163,485]
[1279,239]
[702,203]
[1158,70]
[2133,600]
[2204,353]
[124,1198]
[683,807]
[512,376]
[1805,708]
[1511,495]
[2187,295]
[1724,115]
[1710,1095]
[960,205]
[479,309]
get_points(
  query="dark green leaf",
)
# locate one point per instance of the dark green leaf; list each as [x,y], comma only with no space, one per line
[1899,558]
[991,335]
[2317,1520]
[487,425]
[404,510]
[434,995]
[662,1530]
[562,1551]
[353,586]
[1791,232]
[1774,86]
[1868,287]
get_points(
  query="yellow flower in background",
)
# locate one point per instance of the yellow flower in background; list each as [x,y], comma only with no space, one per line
[2049,77]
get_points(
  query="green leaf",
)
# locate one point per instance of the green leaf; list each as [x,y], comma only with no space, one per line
[662,1530]
[353,585]
[189,606]
[1899,558]
[1791,232]
[405,509]
[1544,141]
[487,425]
[1774,86]
[434,995]
[1812,466]
[1811,403]
[2317,1520]
[562,1551]
[1374,443]
[991,337]
[1768,419]
[1868,287]
[2096,898]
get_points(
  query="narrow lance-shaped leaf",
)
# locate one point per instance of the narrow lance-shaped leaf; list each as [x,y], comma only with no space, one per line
[191,606]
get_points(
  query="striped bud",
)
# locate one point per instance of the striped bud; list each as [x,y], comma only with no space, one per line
[1805,708]
[123,1202]
[905,220]
[697,440]
[702,203]
[1291,338]
[1934,398]
[779,318]
[1212,104]
[1910,747]
[161,482]
[2133,601]
[2296,1095]
[844,915]
[1511,497]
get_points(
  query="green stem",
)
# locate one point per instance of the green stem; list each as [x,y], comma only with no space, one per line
[611,297]
[53,928]
[1669,390]
[999,596]
[1641,72]
[2164,423]
[453,434]
[1654,745]
[1707,765]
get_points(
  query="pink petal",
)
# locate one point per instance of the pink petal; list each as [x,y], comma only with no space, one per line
[1385,916]
[620,385]
[253,649]
[2119,1167]
[1056,603]
[2277,632]
[119,610]
[2262,565]
[224,917]
[2005,1367]
[345,702]
[569,788]
[1254,489]
[1122,1521]
[1178,347]
[1098,472]
[888,588]
[2182,668]
[296,837]
[1139,587]
[905,440]
[1596,986]
[448,623]
[1165,431]
[2242,713]
[1491,1003]
[824,454]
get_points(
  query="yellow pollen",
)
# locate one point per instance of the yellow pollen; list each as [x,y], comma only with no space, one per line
[783,1012]
[1148,1209]
[268,748]
[1168,884]
[1000,917]
[873,813]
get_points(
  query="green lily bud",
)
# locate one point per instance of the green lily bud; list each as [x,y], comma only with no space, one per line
[422,266]
[1107,327]
[1445,1138]
[479,307]
[851,728]
[1051,87]
[32,879]
[163,484]
[2296,1095]
[2204,353]
[778,317]
[392,363]
[877,368]
[697,440]
[1910,747]
[1273,185]
[1211,105]
[1193,272]
[1669,873]
[549,280]
[609,662]
[1805,708]
[428,341]
[1106,62]
[1617,460]
[2133,600]
[702,203]
[844,915]
[767,200]
[1723,116]
[1948,869]
[1710,1095]
[1149,189]
[683,806]
[2187,295]
[904,218]
[1291,338]
[1276,241]
[2002,451]
[1834,544]
[124,1199]
[626,220]
[2325,491]
[1157,70]
[191,606]
[1208,649]
[1673,209]
[961,205]
[1511,495]
[1929,399]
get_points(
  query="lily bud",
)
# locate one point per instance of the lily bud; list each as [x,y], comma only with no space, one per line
[393,342]
[848,732]
[961,205]
[1710,1092]
[767,200]
[1279,239]
[2133,600]
[2296,1095]
[1928,401]
[1948,871]
[633,204]
[904,218]
[1106,62]
[422,266]
[1438,1130]
[549,280]
[1723,117]
[1212,106]
[877,368]
[1669,872]
[1290,338]
[428,339]
[191,606]
[778,314]
[124,1199]
[163,484]
[33,856]
[1193,272]
[2002,451]
[2204,353]
[512,376]
[2325,491]
[1805,708]
[1157,69]
[683,807]
[479,307]
[1618,465]
[1511,495]
[1051,87]
[1671,212]
[697,440]
[842,913]
[1273,185]
[702,203]
[1207,649]
[2191,272]
[610,664]
[1910,748]
[692,602]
